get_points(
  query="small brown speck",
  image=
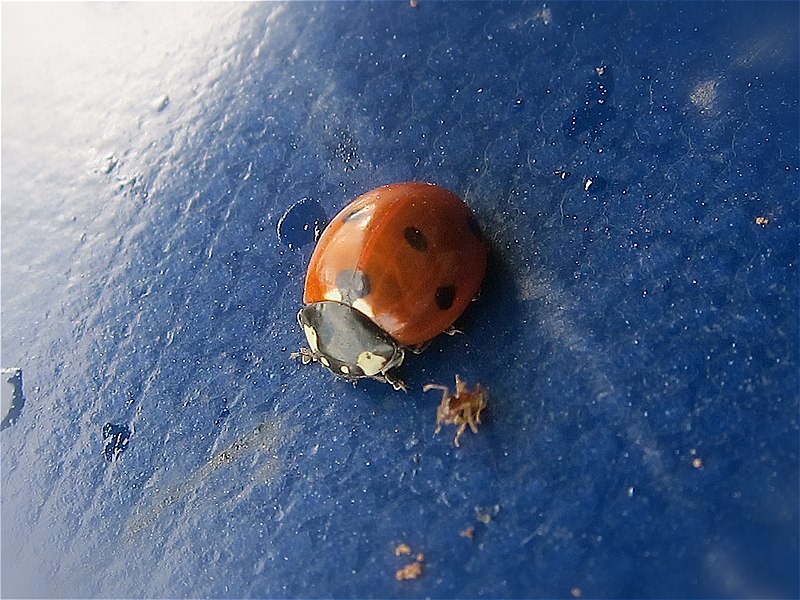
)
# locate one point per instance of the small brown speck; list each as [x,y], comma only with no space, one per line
[402,550]
[411,571]
[469,532]
[576,592]
[763,221]
[486,514]
[462,408]
[697,463]
[413,3]
[600,71]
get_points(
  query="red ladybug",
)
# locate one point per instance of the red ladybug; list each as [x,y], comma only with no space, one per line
[391,271]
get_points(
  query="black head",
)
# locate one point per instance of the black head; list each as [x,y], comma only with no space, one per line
[347,342]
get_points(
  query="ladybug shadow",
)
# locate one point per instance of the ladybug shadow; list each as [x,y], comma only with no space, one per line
[493,351]
[488,331]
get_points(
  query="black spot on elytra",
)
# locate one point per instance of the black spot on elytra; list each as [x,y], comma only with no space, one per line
[445,295]
[353,284]
[472,223]
[416,239]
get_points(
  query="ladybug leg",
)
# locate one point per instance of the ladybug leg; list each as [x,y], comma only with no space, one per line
[305,355]
[420,348]
[452,331]
[392,379]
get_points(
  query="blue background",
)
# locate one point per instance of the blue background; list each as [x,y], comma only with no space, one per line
[165,169]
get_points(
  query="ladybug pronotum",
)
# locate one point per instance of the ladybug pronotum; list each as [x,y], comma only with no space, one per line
[395,268]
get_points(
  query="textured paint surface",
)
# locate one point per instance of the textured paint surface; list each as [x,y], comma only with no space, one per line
[635,168]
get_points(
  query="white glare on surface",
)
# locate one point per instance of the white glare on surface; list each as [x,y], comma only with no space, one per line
[95,96]
[78,72]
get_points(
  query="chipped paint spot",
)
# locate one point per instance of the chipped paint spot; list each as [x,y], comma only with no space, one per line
[704,95]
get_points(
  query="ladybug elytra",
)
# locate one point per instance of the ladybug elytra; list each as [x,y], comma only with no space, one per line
[391,271]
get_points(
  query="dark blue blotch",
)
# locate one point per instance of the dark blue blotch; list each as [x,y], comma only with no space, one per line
[223,414]
[301,224]
[596,109]
[595,185]
[117,437]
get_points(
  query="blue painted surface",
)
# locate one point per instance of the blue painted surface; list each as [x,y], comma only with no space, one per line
[164,171]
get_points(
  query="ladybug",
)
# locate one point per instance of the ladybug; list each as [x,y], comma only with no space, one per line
[391,271]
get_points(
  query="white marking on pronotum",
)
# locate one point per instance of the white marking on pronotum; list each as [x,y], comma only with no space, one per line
[311,336]
[324,361]
[364,307]
[370,363]
[333,295]
[345,369]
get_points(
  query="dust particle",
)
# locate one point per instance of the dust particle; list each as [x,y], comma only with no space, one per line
[410,571]
[704,95]
[469,532]
[545,16]
[402,550]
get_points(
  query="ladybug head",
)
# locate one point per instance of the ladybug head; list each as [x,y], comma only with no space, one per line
[347,343]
